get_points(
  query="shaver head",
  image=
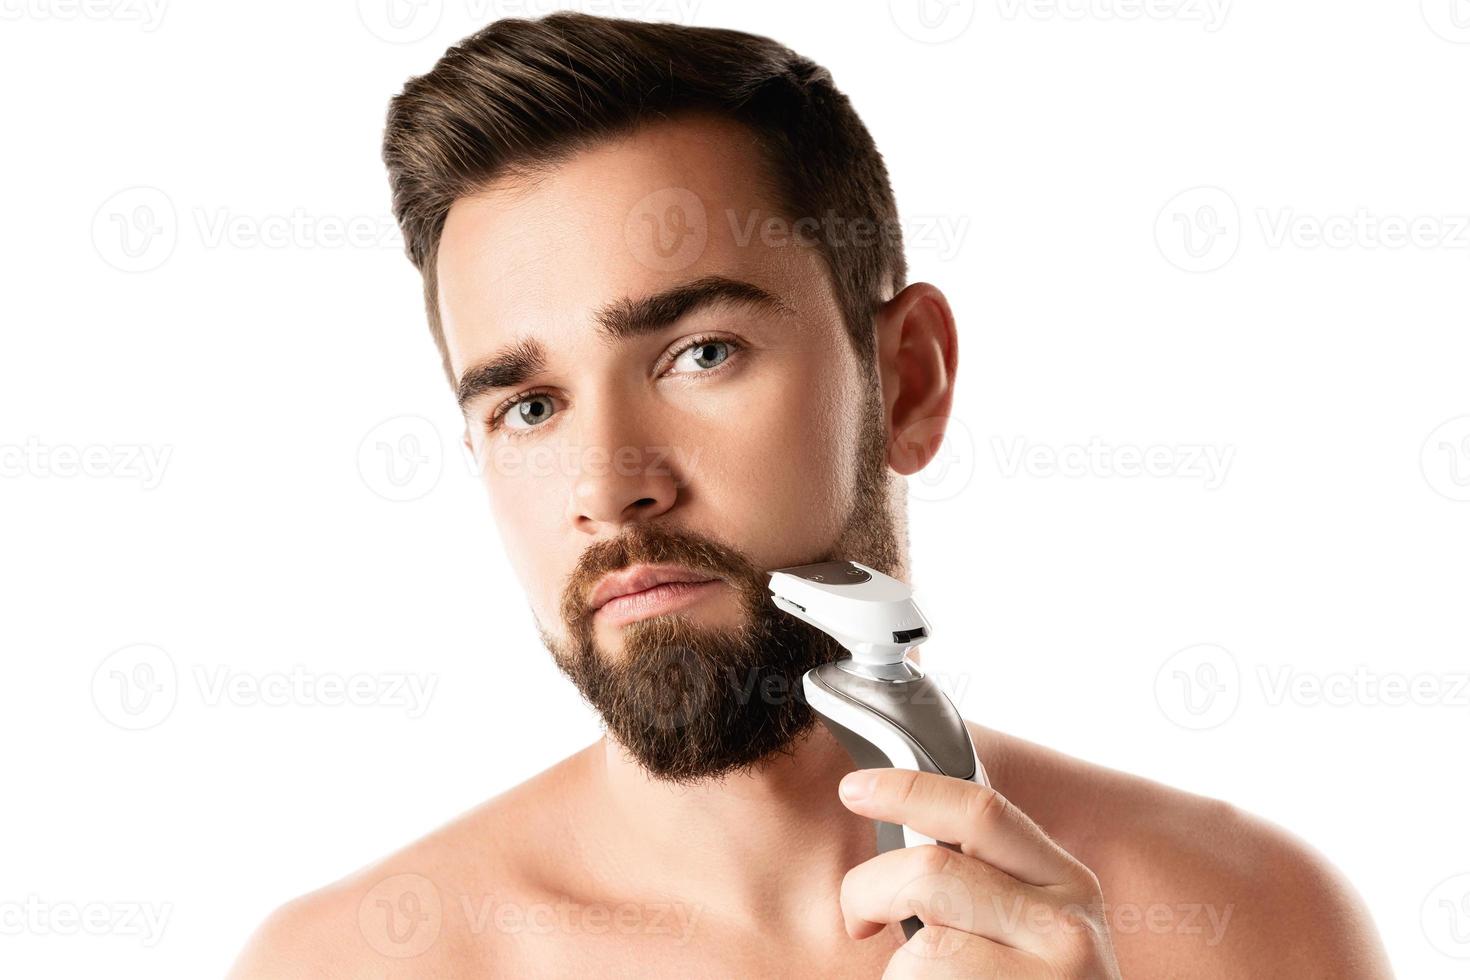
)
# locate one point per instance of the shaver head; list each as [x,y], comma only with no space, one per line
[871,614]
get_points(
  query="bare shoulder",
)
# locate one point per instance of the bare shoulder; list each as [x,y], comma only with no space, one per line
[423,910]
[1194,886]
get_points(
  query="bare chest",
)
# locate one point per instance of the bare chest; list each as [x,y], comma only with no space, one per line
[622,956]
[651,939]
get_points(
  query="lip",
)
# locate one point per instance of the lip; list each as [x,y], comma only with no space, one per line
[657,601]
[638,578]
[641,578]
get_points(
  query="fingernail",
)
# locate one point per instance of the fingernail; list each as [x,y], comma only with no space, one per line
[856,786]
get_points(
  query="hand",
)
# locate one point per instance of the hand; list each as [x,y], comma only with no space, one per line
[1009,903]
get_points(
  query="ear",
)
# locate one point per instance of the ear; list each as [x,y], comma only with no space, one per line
[918,353]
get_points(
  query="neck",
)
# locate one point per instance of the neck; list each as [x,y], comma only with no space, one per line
[767,848]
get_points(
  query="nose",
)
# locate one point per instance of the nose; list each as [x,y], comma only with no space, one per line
[620,480]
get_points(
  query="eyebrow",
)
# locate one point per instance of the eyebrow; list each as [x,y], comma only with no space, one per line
[618,320]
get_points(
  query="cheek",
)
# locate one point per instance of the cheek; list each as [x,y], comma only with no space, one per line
[528,504]
[777,473]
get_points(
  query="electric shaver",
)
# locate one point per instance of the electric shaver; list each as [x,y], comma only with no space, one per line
[877,703]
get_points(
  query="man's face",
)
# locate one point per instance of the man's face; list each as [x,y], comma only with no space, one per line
[723,429]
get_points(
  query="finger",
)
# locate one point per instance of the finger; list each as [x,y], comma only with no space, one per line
[946,888]
[942,953]
[982,822]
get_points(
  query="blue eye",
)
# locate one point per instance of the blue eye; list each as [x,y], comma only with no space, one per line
[703,355]
[527,412]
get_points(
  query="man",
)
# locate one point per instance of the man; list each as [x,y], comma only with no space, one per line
[662,270]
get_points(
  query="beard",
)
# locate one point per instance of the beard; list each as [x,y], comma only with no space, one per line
[690,703]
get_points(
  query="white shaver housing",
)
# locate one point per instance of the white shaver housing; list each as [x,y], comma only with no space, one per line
[870,614]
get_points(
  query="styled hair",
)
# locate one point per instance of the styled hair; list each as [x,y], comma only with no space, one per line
[519,95]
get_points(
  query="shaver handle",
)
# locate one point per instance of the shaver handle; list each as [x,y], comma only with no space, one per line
[909,724]
[892,836]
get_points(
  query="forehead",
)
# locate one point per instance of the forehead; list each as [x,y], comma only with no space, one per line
[671,202]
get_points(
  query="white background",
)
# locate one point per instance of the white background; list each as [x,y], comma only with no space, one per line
[1047,162]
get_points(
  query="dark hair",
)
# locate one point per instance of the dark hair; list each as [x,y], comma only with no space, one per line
[518,95]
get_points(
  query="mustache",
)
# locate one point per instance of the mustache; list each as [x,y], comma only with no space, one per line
[645,543]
